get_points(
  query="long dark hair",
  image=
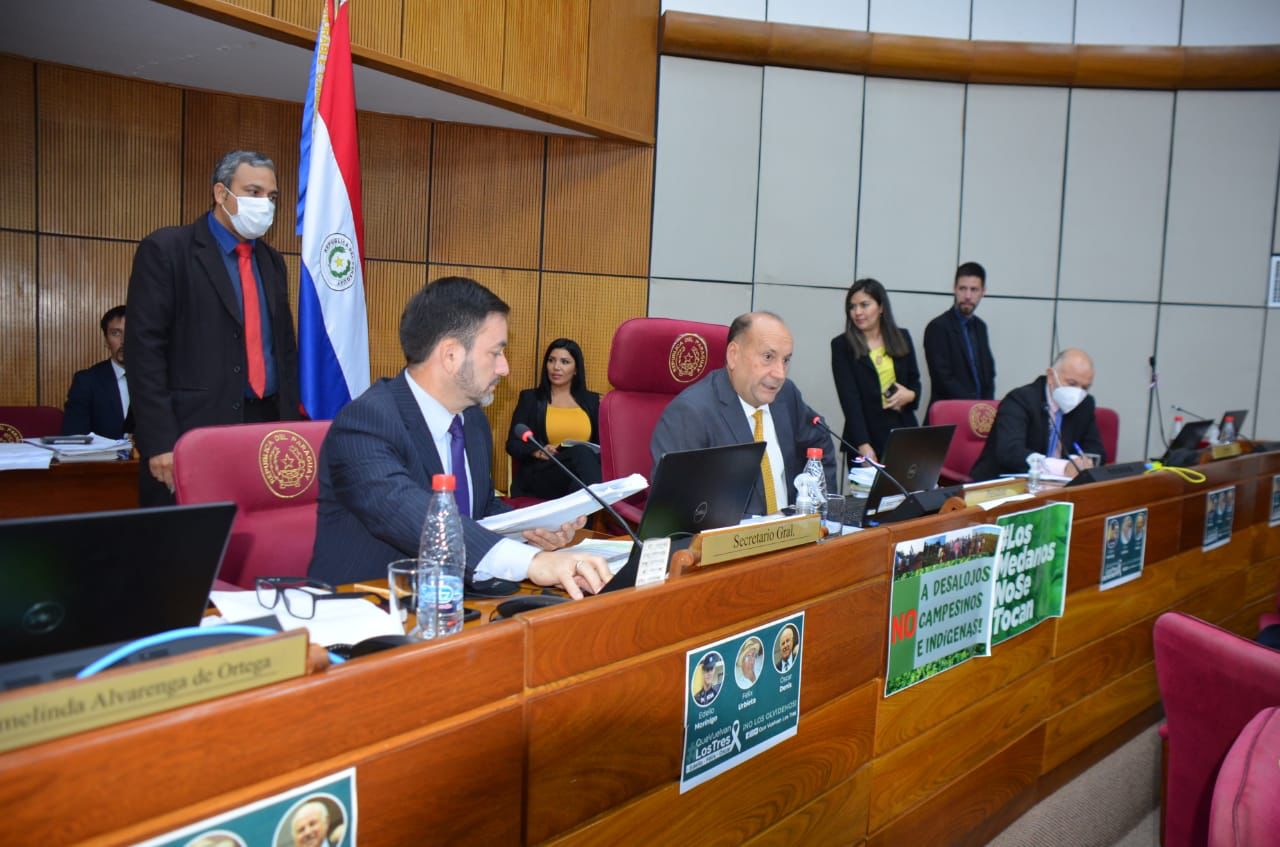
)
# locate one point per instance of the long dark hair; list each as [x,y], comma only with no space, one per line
[894,343]
[578,385]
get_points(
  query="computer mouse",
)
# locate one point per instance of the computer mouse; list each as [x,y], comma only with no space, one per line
[527,603]
[485,588]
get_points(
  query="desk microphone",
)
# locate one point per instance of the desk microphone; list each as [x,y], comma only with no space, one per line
[526,435]
[857,457]
[1058,432]
[1178,408]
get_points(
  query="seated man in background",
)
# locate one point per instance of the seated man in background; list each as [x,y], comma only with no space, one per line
[1052,416]
[384,446]
[956,346]
[750,399]
[98,401]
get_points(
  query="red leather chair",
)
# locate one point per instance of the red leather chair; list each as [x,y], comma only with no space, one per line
[1212,682]
[19,422]
[270,471]
[973,420]
[1109,430]
[1246,797]
[651,360]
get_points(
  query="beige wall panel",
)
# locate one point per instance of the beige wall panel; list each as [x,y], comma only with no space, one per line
[387,287]
[80,279]
[18,321]
[459,37]
[17,137]
[545,52]
[598,207]
[262,7]
[374,23]
[622,63]
[486,196]
[110,152]
[395,160]
[219,123]
[589,309]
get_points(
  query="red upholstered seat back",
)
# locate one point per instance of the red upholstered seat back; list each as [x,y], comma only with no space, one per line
[271,472]
[1212,682]
[1109,430]
[19,422]
[1246,796]
[973,420]
[651,361]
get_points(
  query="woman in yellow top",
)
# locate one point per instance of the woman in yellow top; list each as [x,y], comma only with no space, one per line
[560,409]
[874,366]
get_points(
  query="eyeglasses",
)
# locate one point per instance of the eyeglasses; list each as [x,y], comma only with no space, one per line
[298,600]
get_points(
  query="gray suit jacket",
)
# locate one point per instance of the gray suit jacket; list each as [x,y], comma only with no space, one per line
[709,414]
[375,480]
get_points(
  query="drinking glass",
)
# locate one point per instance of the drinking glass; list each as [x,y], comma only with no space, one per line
[402,582]
[835,515]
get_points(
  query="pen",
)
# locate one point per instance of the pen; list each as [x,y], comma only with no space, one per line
[1079,449]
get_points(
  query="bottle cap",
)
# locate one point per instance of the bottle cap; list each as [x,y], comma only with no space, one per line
[443,482]
[1177,417]
[1229,419]
[814,453]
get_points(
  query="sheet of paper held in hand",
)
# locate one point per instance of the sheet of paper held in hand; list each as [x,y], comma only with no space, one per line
[336,621]
[553,513]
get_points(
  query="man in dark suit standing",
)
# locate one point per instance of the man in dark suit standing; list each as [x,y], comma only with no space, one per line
[384,446]
[750,399]
[957,349]
[210,334]
[98,401]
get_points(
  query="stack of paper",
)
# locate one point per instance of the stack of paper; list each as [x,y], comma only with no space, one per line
[336,621]
[99,449]
[21,457]
[553,513]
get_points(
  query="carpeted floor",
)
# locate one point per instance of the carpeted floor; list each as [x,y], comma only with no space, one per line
[1115,802]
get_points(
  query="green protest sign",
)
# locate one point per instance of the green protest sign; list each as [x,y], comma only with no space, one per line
[1031,569]
[939,604]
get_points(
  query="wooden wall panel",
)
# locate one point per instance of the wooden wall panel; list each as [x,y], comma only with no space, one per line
[375,24]
[486,196]
[110,153]
[80,279]
[598,213]
[589,309]
[219,123]
[18,139]
[463,38]
[1163,531]
[622,64]
[18,322]
[545,52]
[387,287]
[1263,580]
[837,817]
[1079,674]
[1071,731]
[1096,614]
[262,7]
[293,267]
[395,163]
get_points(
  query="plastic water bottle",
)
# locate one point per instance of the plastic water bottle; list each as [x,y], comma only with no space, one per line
[1228,433]
[1035,467]
[1177,425]
[442,558]
[813,467]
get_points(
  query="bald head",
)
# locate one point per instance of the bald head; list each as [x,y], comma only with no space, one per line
[310,825]
[758,356]
[1073,367]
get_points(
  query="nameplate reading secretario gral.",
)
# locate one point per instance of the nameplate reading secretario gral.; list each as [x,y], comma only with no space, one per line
[736,542]
[29,716]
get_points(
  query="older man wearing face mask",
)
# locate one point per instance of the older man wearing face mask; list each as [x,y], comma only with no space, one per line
[209,335]
[1052,416]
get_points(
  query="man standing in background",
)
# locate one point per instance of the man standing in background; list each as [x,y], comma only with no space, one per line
[956,347]
[210,334]
[98,401]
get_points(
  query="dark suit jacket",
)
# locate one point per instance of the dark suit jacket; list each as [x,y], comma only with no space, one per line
[185,336]
[944,352]
[1022,427]
[93,403]
[532,412]
[709,414]
[376,466]
[865,420]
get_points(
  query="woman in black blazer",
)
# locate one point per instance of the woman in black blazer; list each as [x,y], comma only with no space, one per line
[874,366]
[559,409]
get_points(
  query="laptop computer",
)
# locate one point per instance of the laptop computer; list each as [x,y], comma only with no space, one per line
[914,456]
[74,581]
[1187,439]
[1237,417]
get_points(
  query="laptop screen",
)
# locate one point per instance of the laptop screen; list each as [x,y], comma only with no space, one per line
[701,489]
[914,456]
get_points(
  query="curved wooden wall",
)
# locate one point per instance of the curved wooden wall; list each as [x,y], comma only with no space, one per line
[954,60]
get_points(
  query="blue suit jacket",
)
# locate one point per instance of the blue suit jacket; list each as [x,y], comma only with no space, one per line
[709,414]
[375,480]
[93,403]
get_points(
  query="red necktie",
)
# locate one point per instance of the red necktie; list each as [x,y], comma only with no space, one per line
[252,320]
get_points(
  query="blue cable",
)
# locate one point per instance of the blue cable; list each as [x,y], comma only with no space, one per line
[129,649]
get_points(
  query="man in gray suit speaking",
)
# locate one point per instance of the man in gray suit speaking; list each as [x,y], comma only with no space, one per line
[750,399]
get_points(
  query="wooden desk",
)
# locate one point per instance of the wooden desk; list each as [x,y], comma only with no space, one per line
[68,488]
[564,725]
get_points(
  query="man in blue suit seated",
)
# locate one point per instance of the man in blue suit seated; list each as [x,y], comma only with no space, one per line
[98,401]
[384,446]
[750,399]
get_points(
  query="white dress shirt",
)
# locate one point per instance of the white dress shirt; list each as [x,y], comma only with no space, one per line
[122,386]
[781,490]
[505,560]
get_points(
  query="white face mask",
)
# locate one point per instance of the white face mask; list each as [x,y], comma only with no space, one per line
[1068,396]
[254,218]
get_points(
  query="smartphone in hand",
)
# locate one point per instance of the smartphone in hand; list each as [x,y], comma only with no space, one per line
[890,391]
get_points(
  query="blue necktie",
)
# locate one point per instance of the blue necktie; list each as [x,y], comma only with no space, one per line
[1053,433]
[458,461]
[973,361]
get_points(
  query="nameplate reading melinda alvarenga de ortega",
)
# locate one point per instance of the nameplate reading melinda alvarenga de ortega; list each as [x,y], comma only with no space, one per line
[736,542]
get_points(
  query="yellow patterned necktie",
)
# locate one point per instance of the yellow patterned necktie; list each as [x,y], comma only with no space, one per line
[770,497]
